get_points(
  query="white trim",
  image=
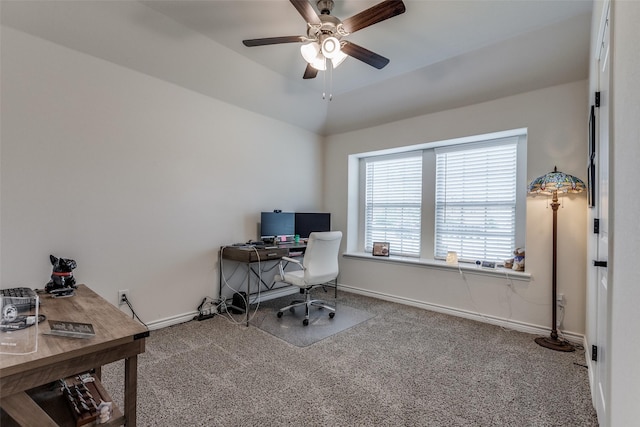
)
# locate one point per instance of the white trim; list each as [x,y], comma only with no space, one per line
[604,22]
[592,369]
[493,320]
[498,321]
[444,143]
[186,317]
[442,265]
[171,321]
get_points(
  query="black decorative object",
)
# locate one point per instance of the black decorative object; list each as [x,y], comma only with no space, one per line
[591,165]
[62,282]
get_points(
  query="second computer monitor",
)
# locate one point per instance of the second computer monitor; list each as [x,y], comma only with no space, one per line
[307,223]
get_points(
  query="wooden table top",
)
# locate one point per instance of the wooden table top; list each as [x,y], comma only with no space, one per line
[112,327]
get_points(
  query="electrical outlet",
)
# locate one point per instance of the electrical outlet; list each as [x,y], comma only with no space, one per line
[122,294]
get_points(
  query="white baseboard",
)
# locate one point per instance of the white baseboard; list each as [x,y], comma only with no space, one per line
[185,317]
[173,320]
[506,323]
[592,370]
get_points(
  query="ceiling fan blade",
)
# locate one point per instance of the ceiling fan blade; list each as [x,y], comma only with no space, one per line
[305,9]
[385,10]
[365,55]
[310,72]
[272,40]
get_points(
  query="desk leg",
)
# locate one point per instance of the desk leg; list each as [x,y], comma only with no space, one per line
[97,372]
[246,308]
[130,390]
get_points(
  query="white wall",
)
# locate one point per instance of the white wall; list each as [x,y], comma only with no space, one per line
[556,119]
[139,180]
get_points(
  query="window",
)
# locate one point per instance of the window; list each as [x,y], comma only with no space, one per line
[466,195]
[475,200]
[393,195]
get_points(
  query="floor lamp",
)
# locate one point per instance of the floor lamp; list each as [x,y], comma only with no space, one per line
[551,184]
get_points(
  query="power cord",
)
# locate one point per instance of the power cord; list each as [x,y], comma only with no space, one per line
[511,286]
[207,309]
[487,319]
[133,312]
[223,307]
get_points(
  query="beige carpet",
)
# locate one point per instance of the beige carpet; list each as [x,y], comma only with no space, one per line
[402,367]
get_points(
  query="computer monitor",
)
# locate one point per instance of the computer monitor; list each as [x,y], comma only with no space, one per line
[276,224]
[308,222]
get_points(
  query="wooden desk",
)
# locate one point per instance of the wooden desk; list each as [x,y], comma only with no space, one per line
[117,337]
[250,256]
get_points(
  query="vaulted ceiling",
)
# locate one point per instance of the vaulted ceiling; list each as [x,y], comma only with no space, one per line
[444,53]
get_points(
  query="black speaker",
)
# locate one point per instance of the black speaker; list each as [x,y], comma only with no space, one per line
[239,299]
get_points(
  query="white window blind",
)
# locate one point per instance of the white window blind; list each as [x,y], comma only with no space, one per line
[393,197]
[476,200]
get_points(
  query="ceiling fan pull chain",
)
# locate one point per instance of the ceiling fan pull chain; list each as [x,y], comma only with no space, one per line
[331,81]
[324,80]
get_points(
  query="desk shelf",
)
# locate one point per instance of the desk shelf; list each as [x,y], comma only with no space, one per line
[50,398]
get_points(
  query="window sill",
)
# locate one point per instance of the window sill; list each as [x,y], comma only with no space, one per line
[442,265]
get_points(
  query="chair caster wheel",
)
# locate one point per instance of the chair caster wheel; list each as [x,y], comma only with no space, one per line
[292,310]
[331,315]
[305,322]
[279,314]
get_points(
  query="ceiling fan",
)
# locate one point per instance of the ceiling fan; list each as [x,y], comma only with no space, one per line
[323,42]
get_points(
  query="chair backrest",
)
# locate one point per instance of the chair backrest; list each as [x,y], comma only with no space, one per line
[321,257]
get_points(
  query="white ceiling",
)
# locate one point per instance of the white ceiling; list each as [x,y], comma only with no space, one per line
[444,53]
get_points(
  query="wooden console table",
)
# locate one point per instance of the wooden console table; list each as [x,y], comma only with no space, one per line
[117,337]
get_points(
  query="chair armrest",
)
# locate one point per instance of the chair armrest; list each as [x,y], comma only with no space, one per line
[286,258]
[281,265]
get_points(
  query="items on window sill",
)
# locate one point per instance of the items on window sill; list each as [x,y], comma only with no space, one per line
[517,262]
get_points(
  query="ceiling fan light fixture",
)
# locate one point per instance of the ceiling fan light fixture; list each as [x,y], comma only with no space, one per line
[325,32]
[319,63]
[311,53]
[338,59]
[331,47]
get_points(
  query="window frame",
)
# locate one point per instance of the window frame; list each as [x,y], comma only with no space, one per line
[355,199]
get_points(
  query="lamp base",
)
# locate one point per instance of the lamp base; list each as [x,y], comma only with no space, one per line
[555,344]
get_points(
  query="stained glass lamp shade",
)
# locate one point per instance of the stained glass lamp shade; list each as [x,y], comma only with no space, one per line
[556,181]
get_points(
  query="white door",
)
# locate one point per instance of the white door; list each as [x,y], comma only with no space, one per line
[602,247]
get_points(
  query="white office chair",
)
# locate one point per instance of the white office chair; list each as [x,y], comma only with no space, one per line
[318,267]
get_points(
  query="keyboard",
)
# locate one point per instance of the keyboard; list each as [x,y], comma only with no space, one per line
[15,296]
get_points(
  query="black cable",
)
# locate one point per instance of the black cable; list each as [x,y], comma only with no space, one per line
[133,312]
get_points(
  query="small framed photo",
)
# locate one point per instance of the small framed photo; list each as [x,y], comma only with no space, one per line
[380,249]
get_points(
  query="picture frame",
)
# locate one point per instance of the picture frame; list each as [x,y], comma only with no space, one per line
[380,249]
[591,167]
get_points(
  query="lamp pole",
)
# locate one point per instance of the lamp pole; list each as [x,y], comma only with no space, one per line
[552,341]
